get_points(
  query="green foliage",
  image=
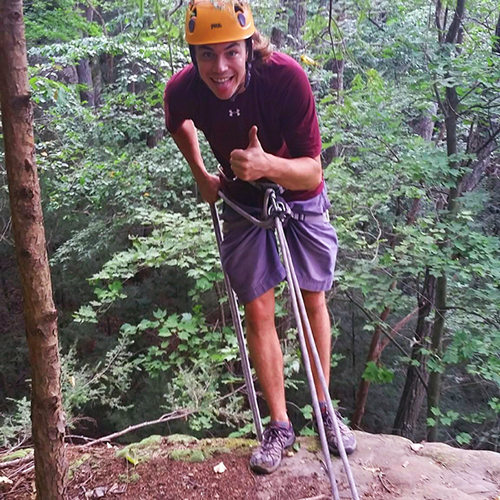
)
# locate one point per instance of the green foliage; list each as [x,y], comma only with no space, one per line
[125,214]
[377,374]
[59,20]
[15,427]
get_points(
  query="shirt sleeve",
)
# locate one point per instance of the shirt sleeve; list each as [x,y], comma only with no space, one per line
[298,117]
[176,99]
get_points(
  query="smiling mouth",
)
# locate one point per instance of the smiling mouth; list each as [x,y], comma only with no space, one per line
[221,81]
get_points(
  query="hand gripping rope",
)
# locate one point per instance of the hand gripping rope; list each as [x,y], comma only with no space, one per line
[274,214]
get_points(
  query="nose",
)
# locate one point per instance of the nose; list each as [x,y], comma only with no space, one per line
[220,64]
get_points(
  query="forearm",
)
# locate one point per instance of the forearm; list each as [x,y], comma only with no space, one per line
[186,139]
[294,173]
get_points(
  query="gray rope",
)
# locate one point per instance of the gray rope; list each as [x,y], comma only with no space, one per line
[297,309]
[235,313]
[302,320]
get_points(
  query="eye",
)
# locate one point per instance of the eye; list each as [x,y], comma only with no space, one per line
[206,54]
[233,52]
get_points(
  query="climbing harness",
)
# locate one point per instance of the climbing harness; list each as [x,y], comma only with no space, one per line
[274,215]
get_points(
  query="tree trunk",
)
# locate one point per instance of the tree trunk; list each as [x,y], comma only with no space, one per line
[414,390]
[84,71]
[336,84]
[496,44]
[434,390]
[29,237]
[277,38]
[336,65]
[364,385]
[296,20]
[451,121]
[377,346]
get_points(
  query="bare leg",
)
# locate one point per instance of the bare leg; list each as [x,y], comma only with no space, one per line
[319,319]
[265,352]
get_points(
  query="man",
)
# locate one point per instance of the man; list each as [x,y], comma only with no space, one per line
[257,112]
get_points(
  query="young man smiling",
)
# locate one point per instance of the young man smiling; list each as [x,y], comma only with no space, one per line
[223,67]
[257,111]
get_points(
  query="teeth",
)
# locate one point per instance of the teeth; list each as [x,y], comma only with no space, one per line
[221,80]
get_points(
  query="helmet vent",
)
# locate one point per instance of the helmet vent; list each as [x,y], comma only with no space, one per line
[192,23]
[241,19]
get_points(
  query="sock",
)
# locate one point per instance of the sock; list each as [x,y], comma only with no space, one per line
[281,425]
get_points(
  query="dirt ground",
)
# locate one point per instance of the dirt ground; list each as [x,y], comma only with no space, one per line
[181,468]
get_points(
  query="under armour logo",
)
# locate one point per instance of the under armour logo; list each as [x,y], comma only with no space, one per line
[234,112]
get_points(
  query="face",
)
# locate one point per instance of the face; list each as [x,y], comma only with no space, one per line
[222,67]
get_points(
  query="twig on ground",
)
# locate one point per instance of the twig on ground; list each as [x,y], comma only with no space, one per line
[164,418]
[17,461]
[381,477]
[319,497]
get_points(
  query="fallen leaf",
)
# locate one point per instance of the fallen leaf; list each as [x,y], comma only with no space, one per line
[405,464]
[416,447]
[220,468]
[117,489]
[5,480]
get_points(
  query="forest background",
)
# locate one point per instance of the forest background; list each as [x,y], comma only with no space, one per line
[408,101]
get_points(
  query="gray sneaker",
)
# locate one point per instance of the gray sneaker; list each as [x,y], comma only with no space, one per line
[267,457]
[348,437]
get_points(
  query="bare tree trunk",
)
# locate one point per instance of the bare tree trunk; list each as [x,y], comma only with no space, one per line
[297,20]
[277,37]
[496,45]
[84,71]
[29,237]
[364,385]
[377,346]
[414,390]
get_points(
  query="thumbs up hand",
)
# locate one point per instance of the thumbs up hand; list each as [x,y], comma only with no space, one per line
[249,164]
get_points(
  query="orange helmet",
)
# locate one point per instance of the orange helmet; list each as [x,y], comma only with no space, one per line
[218,21]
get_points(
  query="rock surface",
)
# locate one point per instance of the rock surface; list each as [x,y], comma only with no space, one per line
[392,467]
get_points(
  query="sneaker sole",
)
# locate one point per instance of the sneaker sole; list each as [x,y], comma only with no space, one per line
[336,452]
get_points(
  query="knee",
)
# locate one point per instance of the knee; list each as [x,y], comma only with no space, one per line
[259,314]
[315,302]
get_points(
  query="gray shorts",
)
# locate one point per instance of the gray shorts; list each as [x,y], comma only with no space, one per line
[250,254]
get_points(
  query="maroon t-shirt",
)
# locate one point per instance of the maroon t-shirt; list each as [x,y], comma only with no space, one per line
[278,100]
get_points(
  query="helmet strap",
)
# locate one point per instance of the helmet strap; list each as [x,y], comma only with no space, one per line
[192,52]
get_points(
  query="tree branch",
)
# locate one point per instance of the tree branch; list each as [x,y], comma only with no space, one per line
[164,418]
[453,30]
[486,320]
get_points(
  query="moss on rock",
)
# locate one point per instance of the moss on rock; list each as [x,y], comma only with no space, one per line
[181,439]
[187,455]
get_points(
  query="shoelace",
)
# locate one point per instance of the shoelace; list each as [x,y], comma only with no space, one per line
[273,438]
[328,421]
